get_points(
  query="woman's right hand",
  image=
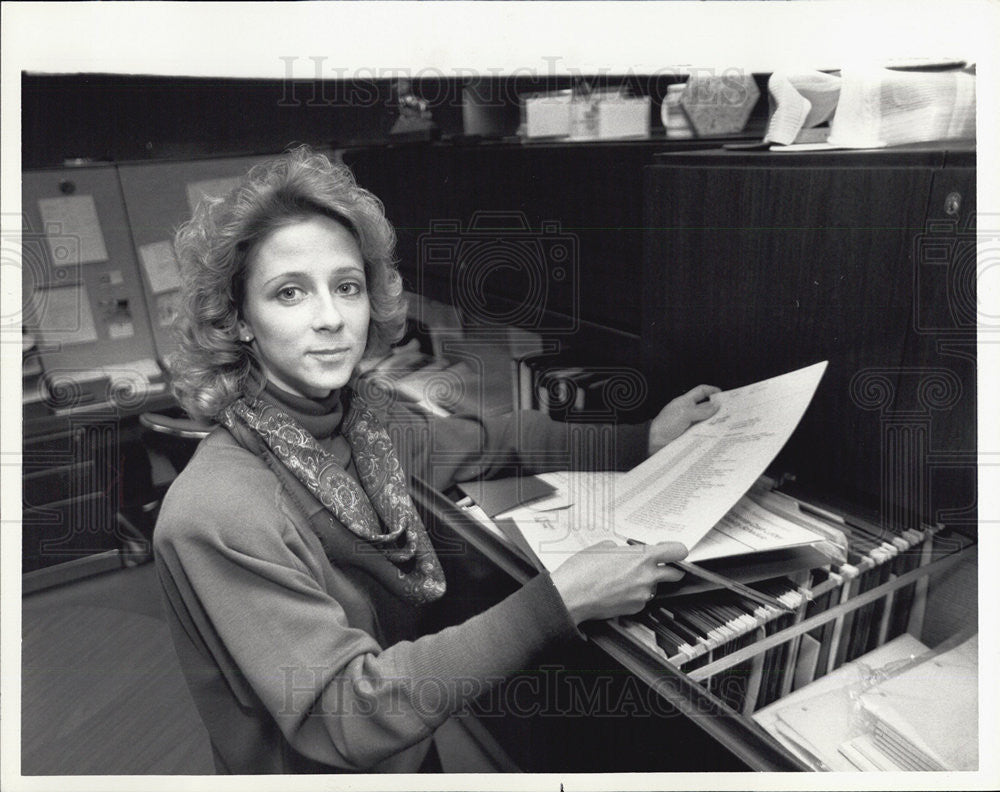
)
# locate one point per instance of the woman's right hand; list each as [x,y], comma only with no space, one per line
[608,580]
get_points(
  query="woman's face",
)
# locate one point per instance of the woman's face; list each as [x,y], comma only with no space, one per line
[306,305]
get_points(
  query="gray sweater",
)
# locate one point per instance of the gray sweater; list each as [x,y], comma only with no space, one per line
[292,660]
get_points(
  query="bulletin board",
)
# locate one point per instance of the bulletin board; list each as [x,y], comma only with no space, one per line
[159,196]
[83,297]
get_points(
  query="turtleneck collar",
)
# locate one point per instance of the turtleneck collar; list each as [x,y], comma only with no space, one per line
[320,417]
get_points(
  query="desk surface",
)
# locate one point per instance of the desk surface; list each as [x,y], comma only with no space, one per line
[37,424]
[939,154]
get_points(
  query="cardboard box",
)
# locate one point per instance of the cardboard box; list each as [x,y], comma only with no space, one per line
[547,115]
[621,117]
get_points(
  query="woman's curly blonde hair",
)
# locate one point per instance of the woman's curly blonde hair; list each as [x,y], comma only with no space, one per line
[212,367]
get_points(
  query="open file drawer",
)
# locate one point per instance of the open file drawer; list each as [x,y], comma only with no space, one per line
[921,591]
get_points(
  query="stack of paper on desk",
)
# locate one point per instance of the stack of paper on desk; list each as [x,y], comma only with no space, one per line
[692,491]
[817,720]
[924,717]
[929,714]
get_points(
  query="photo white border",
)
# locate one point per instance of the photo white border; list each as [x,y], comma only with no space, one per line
[250,39]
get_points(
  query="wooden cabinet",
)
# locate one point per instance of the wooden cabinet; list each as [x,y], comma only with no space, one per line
[86,478]
[543,236]
[615,704]
[753,264]
[759,263]
[727,267]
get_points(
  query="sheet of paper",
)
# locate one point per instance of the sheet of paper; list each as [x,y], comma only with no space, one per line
[144,368]
[901,648]
[72,230]
[121,328]
[749,528]
[476,513]
[819,725]
[211,188]
[684,489]
[577,516]
[808,659]
[556,535]
[792,147]
[569,487]
[933,707]
[64,315]
[495,496]
[160,265]
[166,307]
[864,755]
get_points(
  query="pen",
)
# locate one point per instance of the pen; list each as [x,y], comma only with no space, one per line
[737,588]
[732,585]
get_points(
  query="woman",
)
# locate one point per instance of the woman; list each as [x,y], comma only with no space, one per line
[289,552]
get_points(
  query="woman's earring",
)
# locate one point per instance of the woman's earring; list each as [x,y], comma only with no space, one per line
[245,335]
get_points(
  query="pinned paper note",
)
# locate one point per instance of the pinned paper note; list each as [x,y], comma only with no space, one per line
[121,328]
[160,266]
[166,308]
[209,188]
[64,315]
[72,230]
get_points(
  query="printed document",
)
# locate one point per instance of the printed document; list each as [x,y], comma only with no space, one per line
[684,489]
[691,491]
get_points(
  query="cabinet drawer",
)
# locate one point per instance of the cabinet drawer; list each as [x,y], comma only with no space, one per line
[68,530]
[58,484]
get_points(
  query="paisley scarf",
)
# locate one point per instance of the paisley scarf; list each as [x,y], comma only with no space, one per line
[395,546]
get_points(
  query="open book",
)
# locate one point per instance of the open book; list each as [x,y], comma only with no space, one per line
[698,490]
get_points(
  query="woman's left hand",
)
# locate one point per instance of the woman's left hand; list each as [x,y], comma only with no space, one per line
[679,414]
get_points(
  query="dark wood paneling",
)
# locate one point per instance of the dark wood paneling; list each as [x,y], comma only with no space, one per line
[936,394]
[582,200]
[135,117]
[119,117]
[80,472]
[751,272]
